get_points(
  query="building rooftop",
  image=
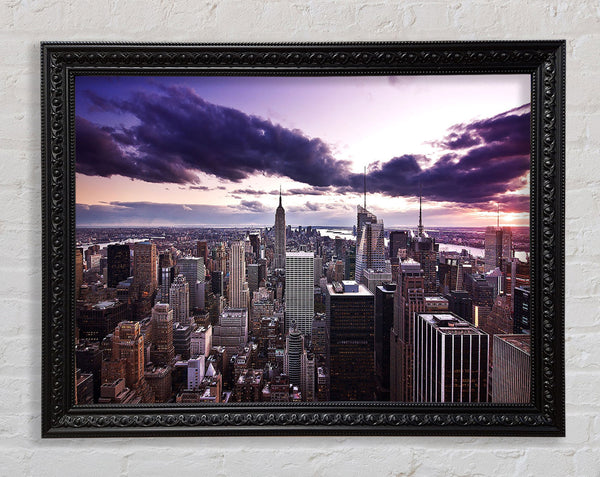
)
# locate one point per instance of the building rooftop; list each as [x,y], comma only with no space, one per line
[450,324]
[103,305]
[435,298]
[521,342]
[342,291]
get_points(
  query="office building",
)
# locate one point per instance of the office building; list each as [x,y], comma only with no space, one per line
[511,371]
[118,264]
[260,308]
[216,281]
[162,351]
[255,243]
[398,243]
[221,259]
[294,348]
[145,278]
[231,331]
[202,250]
[451,360]
[318,269]
[253,277]
[238,287]
[182,340]
[409,298]
[127,360]
[307,376]
[372,279]
[384,320]
[78,271]
[350,315]
[370,251]
[195,372]
[201,341]
[166,276]
[461,304]
[192,268]
[299,287]
[179,300]
[363,216]
[320,339]
[498,245]
[522,310]
[159,380]
[96,320]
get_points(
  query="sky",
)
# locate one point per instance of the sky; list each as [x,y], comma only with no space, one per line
[215,150]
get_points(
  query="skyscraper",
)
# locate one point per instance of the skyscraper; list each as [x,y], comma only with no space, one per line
[318,269]
[255,242]
[179,300]
[384,320]
[363,216]
[280,238]
[192,268]
[511,372]
[498,245]
[238,287]
[451,360]
[370,251]
[307,376]
[127,359]
[221,259]
[144,267]
[521,300]
[78,271]
[299,290]
[350,316]
[409,299]
[294,348]
[231,331]
[162,350]
[398,241]
[423,250]
[119,261]
[166,276]
[202,250]
[253,277]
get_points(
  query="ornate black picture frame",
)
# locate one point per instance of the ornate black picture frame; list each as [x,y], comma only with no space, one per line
[544,61]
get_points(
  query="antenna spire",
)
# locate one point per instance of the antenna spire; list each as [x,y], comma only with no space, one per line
[365,187]
[420,211]
[280,195]
[498,219]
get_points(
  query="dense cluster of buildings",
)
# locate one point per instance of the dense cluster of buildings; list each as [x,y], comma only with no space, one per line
[287,315]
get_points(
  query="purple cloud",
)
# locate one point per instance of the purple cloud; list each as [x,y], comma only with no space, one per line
[179,128]
[177,135]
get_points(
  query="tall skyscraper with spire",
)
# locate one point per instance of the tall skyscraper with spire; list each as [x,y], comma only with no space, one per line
[279,255]
[420,229]
[498,244]
[370,249]
[424,250]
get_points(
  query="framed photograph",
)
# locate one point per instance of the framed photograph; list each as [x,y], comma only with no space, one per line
[300,239]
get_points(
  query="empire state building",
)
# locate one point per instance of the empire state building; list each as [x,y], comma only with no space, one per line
[279,258]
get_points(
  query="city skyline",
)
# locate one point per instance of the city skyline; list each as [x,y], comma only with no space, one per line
[184,151]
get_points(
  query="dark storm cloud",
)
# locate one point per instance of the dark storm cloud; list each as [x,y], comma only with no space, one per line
[495,162]
[179,134]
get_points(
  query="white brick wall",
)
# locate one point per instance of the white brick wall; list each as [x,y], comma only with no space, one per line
[25,23]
